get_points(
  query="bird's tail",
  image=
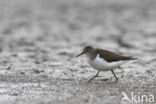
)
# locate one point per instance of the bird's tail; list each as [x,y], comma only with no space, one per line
[129,58]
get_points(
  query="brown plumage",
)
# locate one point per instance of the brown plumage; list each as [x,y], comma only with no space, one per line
[111,56]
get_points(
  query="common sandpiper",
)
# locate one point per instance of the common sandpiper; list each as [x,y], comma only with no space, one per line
[103,60]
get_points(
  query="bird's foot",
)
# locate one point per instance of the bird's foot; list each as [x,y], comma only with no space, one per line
[116,80]
[90,80]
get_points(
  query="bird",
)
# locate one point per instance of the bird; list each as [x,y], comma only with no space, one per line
[104,60]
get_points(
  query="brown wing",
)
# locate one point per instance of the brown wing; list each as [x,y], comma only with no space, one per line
[111,56]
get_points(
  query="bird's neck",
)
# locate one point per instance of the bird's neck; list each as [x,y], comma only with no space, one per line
[92,55]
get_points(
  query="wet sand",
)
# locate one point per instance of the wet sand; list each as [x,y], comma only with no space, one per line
[39,40]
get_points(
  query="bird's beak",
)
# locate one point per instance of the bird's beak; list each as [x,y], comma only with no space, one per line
[80,54]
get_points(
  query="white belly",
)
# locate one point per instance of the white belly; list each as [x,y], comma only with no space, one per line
[102,65]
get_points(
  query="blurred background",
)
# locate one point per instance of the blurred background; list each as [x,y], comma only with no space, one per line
[39,40]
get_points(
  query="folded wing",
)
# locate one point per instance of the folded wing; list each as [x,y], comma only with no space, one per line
[111,56]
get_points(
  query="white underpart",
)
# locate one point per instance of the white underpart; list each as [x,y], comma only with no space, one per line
[102,65]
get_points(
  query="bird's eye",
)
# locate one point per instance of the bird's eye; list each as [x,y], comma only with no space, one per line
[87,50]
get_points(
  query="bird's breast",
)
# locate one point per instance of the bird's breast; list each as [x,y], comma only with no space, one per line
[102,65]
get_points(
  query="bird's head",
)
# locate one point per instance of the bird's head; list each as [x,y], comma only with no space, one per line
[86,50]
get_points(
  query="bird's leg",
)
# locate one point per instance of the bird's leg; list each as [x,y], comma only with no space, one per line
[114,75]
[94,77]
